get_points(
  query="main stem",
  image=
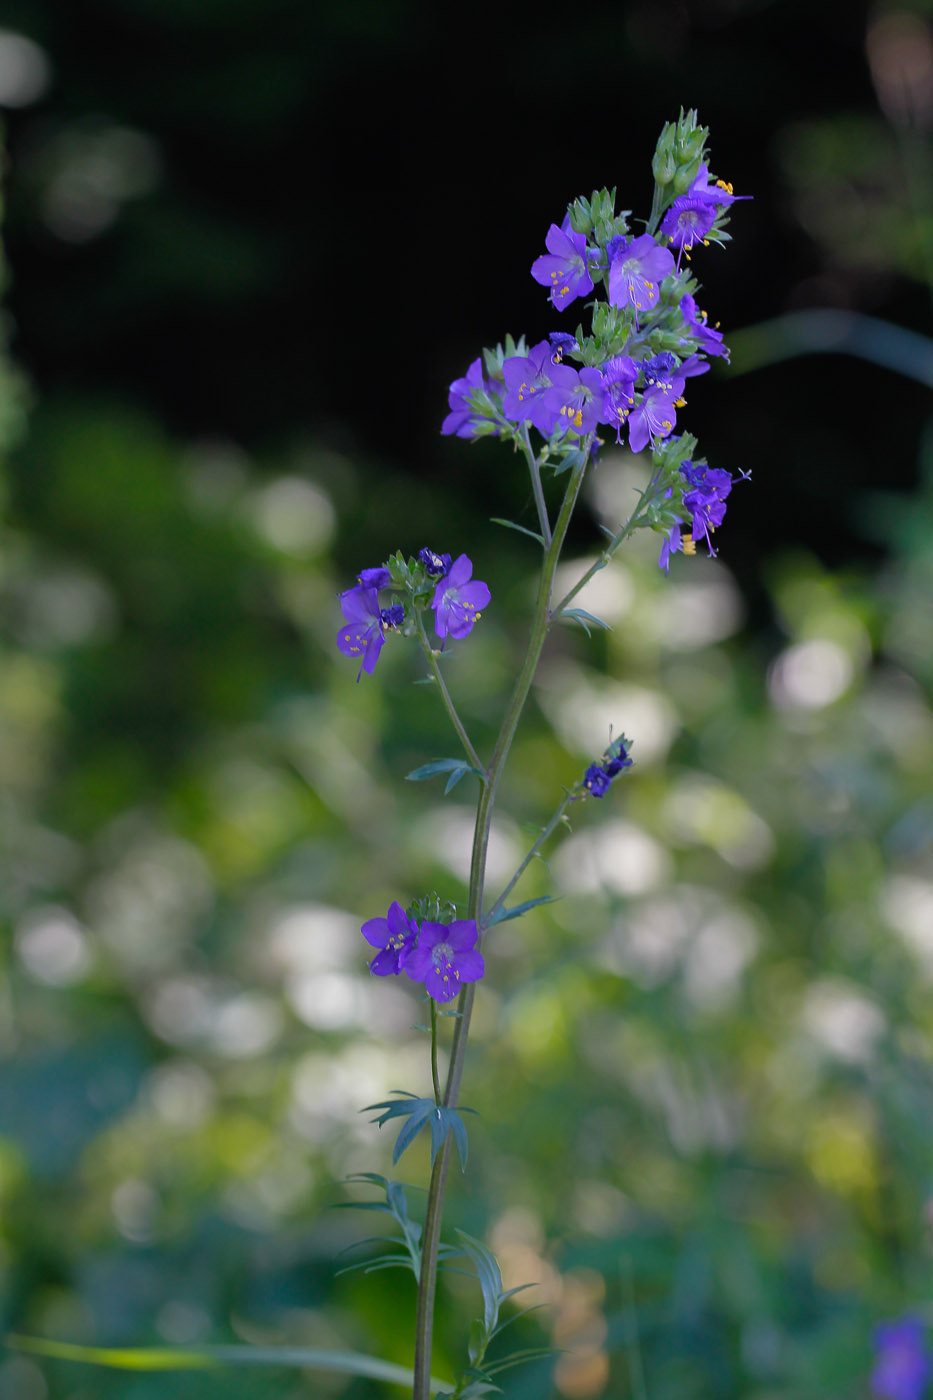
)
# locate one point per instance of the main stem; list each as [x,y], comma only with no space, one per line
[430,1238]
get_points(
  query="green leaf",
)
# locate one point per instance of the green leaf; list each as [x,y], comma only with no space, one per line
[502,916]
[431,770]
[176,1359]
[510,525]
[456,767]
[410,1130]
[585,618]
[490,1279]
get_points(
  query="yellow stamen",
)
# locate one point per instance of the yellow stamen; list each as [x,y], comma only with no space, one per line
[689,544]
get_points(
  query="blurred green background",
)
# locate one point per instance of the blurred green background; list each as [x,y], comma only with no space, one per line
[250,245]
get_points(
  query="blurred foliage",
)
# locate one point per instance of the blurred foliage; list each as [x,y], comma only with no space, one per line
[704,1076]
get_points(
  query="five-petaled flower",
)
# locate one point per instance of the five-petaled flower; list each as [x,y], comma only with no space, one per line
[365,635]
[903,1368]
[445,958]
[395,935]
[527,379]
[636,270]
[688,221]
[563,268]
[458,600]
[655,416]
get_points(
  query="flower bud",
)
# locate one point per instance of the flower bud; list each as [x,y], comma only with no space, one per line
[686,175]
[664,163]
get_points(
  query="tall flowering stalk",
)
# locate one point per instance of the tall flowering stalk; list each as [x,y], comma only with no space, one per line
[624,375]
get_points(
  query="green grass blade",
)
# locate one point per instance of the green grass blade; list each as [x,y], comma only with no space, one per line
[178,1359]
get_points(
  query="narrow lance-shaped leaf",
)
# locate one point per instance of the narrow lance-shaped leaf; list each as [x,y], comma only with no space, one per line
[200,1358]
[502,915]
[510,525]
[440,765]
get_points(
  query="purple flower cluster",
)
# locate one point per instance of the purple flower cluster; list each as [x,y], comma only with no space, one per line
[598,777]
[442,956]
[704,497]
[903,1368]
[554,397]
[457,603]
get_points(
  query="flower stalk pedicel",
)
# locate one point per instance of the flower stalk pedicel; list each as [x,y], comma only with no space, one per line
[626,373]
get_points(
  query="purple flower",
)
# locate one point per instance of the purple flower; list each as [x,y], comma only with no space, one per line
[464,418]
[563,268]
[364,636]
[636,269]
[574,401]
[374,578]
[435,565]
[458,599]
[395,935]
[672,543]
[527,378]
[688,221]
[596,780]
[719,194]
[445,958]
[706,499]
[619,375]
[711,341]
[394,616]
[655,416]
[619,759]
[903,1366]
[561,344]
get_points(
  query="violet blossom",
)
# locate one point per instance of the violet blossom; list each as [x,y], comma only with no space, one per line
[636,269]
[903,1367]
[575,399]
[435,565]
[458,600]
[365,635]
[711,341]
[655,416]
[619,375]
[395,935]
[445,958]
[464,419]
[563,268]
[706,499]
[527,378]
[687,222]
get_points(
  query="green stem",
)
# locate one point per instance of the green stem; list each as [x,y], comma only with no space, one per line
[657,208]
[555,821]
[434,1074]
[534,471]
[621,535]
[431,656]
[430,1237]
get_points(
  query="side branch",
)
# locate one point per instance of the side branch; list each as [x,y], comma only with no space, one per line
[457,722]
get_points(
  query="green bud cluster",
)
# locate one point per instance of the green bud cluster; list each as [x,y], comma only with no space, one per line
[431,908]
[680,152]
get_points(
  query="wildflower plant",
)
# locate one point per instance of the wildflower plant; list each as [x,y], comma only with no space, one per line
[619,375]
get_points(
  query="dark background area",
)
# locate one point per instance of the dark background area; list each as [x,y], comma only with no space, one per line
[348,198]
